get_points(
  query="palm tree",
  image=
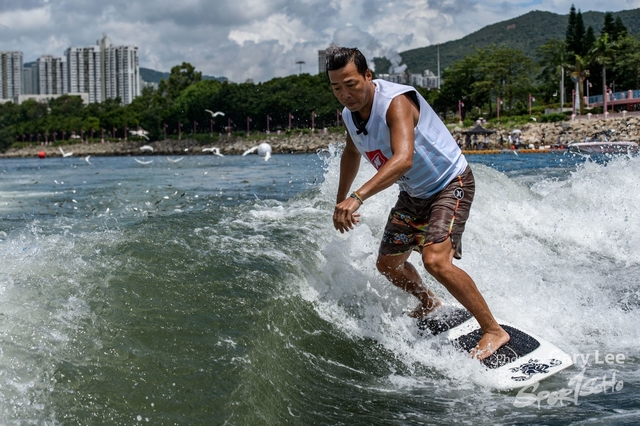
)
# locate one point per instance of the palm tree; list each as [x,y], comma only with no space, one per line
[578,75]
[552,60]
[603,53]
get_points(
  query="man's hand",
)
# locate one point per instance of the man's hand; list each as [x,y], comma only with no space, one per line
[345,216]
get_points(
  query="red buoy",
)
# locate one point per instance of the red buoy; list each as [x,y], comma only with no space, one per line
[42,154]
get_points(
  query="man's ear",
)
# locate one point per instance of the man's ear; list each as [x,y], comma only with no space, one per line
[367,75]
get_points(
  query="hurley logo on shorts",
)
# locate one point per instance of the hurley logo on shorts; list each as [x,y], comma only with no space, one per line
[458,193]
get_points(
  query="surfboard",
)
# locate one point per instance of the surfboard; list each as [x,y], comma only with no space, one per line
[524,360]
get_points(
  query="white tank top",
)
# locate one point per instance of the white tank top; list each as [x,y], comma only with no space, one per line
[437,159]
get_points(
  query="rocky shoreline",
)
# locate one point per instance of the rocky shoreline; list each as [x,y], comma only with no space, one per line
[540,135]
[228,145]
[535,134]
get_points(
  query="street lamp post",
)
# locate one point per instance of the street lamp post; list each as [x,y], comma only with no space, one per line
[562,90]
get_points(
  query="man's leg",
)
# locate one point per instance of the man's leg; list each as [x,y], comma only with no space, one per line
[402,274]
[438,260]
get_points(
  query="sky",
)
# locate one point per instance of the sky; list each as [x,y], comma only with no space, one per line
[257,39]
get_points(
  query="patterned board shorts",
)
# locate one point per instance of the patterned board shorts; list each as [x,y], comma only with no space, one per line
[415,222]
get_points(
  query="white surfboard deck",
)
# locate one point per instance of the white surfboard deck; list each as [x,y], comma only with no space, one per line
[524,360]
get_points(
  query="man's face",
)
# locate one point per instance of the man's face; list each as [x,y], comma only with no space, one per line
[353,90]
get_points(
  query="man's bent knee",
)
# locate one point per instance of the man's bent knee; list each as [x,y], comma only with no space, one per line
[385,265]
[388,264]
[437,257]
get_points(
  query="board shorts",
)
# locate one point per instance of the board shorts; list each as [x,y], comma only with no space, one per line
[417,222]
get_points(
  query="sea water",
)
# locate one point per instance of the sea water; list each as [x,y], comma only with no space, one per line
[215,290]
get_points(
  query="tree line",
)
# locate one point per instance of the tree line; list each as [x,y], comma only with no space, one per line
[493,81]
[609,61]
[177,109]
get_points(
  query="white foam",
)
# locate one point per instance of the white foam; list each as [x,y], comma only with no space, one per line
[558,257]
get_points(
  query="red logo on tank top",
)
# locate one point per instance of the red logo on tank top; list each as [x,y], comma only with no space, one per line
[377,158]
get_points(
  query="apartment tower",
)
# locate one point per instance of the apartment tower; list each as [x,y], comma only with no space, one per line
[84,71]
[10,74]
[52,76]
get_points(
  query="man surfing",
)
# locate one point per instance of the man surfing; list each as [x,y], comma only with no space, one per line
[395,128]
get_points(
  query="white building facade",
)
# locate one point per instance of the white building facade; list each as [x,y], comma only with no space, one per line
[122,73]
[11,64]
[322,58]
[84,71]
[427,79]
[52,75]
[104,71]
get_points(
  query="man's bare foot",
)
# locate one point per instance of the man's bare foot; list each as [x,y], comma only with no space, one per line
[425,309]
[490,342]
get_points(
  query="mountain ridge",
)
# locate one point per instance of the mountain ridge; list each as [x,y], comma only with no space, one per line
[526,32]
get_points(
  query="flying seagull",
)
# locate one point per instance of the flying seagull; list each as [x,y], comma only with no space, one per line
[143,162]
[65,154]
[214,114]
[214,150]
[142,133]
[264,150]
[146,148]
[171,160]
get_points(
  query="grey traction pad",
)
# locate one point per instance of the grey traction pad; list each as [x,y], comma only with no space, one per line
[520,344]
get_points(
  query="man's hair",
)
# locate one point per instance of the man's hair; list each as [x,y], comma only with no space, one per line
[339,57]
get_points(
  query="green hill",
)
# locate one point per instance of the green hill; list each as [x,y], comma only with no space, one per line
[526,33]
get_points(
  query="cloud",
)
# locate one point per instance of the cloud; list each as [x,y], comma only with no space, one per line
[25,20]
[255,39]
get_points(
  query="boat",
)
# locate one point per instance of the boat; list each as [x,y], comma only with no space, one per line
[604,143]
[604,147]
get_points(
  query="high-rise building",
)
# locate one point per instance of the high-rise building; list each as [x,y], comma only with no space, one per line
[121,71]
[322,58]
[10,74]
[52,76]
[84,71]
[104,71]
[30,79]
[104,43]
